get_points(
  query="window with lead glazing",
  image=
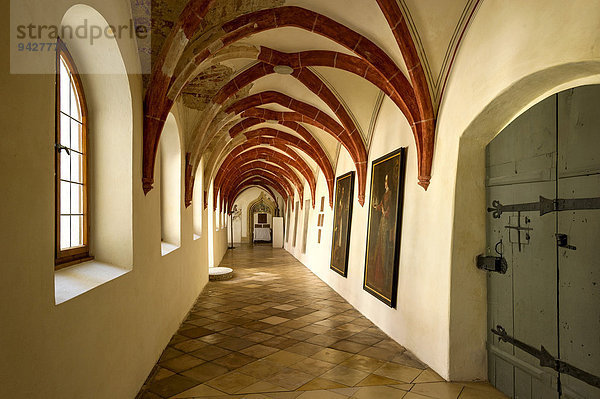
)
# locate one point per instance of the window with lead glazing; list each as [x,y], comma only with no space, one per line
[71,163]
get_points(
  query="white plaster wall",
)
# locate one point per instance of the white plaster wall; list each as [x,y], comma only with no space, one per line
[103,343]
[420,321]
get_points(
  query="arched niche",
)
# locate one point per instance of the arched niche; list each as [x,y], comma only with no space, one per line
[198,200]
[170,186]
[263,204]
[110,138]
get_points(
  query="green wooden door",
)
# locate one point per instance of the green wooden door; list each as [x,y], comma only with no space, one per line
[548,295]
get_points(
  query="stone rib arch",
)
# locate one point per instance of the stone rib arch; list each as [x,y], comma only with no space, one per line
[257,181]
[170,65]
[258,138]
[269,176]
[272,137]
[246,153]
[351,139]
[249,151]
[240,167]
[264,187]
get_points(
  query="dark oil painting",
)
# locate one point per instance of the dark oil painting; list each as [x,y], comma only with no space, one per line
[385,222]
[342,220]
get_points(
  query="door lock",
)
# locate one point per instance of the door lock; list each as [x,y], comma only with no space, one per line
[562,240]
[495,264]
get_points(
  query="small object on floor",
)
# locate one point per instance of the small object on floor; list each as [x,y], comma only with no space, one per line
[219,273]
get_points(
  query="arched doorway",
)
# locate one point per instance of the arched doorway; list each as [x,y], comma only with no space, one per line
[543,223]
[263,205]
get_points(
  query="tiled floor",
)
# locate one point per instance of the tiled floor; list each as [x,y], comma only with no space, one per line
[276,331]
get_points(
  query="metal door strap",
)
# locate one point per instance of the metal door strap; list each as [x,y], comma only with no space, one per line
[547,360]
[545,205]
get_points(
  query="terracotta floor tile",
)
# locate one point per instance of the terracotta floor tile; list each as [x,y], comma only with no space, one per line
[275,320]
[232,383]
[199,391]
[378,393]
[315,329]
[480,390]
[218,326]
[348,346]
[170,353]
[398,372]
[332,355]
[205,372]
[321,394]
[234,360]
[374,379]
[377,353]
[280,342]
[259,337]
[313,366]
[428,376]
[285,358]
[285,307]
[305,348]
[364,338]
[190,345]
[438,390]
[237,332]
[162,373]
[210,353]
[197,332]
[181,363]
[259,351]
[213,338]
[322,340]
[363,363]
[172,385]
[235,344]
[290,379]
[277,330]
[345,375]
[320,383]
[308,340]
[261,369]
[261,386]
[299,335]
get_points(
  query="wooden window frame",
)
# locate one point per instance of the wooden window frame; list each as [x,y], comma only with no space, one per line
[71,256]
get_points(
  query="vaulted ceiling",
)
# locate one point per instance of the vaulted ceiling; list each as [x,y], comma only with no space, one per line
[268,92]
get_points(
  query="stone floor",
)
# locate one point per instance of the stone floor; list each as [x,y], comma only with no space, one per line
[276,331]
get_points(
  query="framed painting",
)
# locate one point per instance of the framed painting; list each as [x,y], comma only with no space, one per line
[384,226]
[342,220]
[262,218]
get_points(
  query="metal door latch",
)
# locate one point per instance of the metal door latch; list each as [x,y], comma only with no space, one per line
[562,240]
[492,264]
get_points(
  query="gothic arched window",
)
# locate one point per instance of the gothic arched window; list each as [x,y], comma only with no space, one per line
[71,163]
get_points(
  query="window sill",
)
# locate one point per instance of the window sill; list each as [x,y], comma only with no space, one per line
[73,281]
[166,248]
